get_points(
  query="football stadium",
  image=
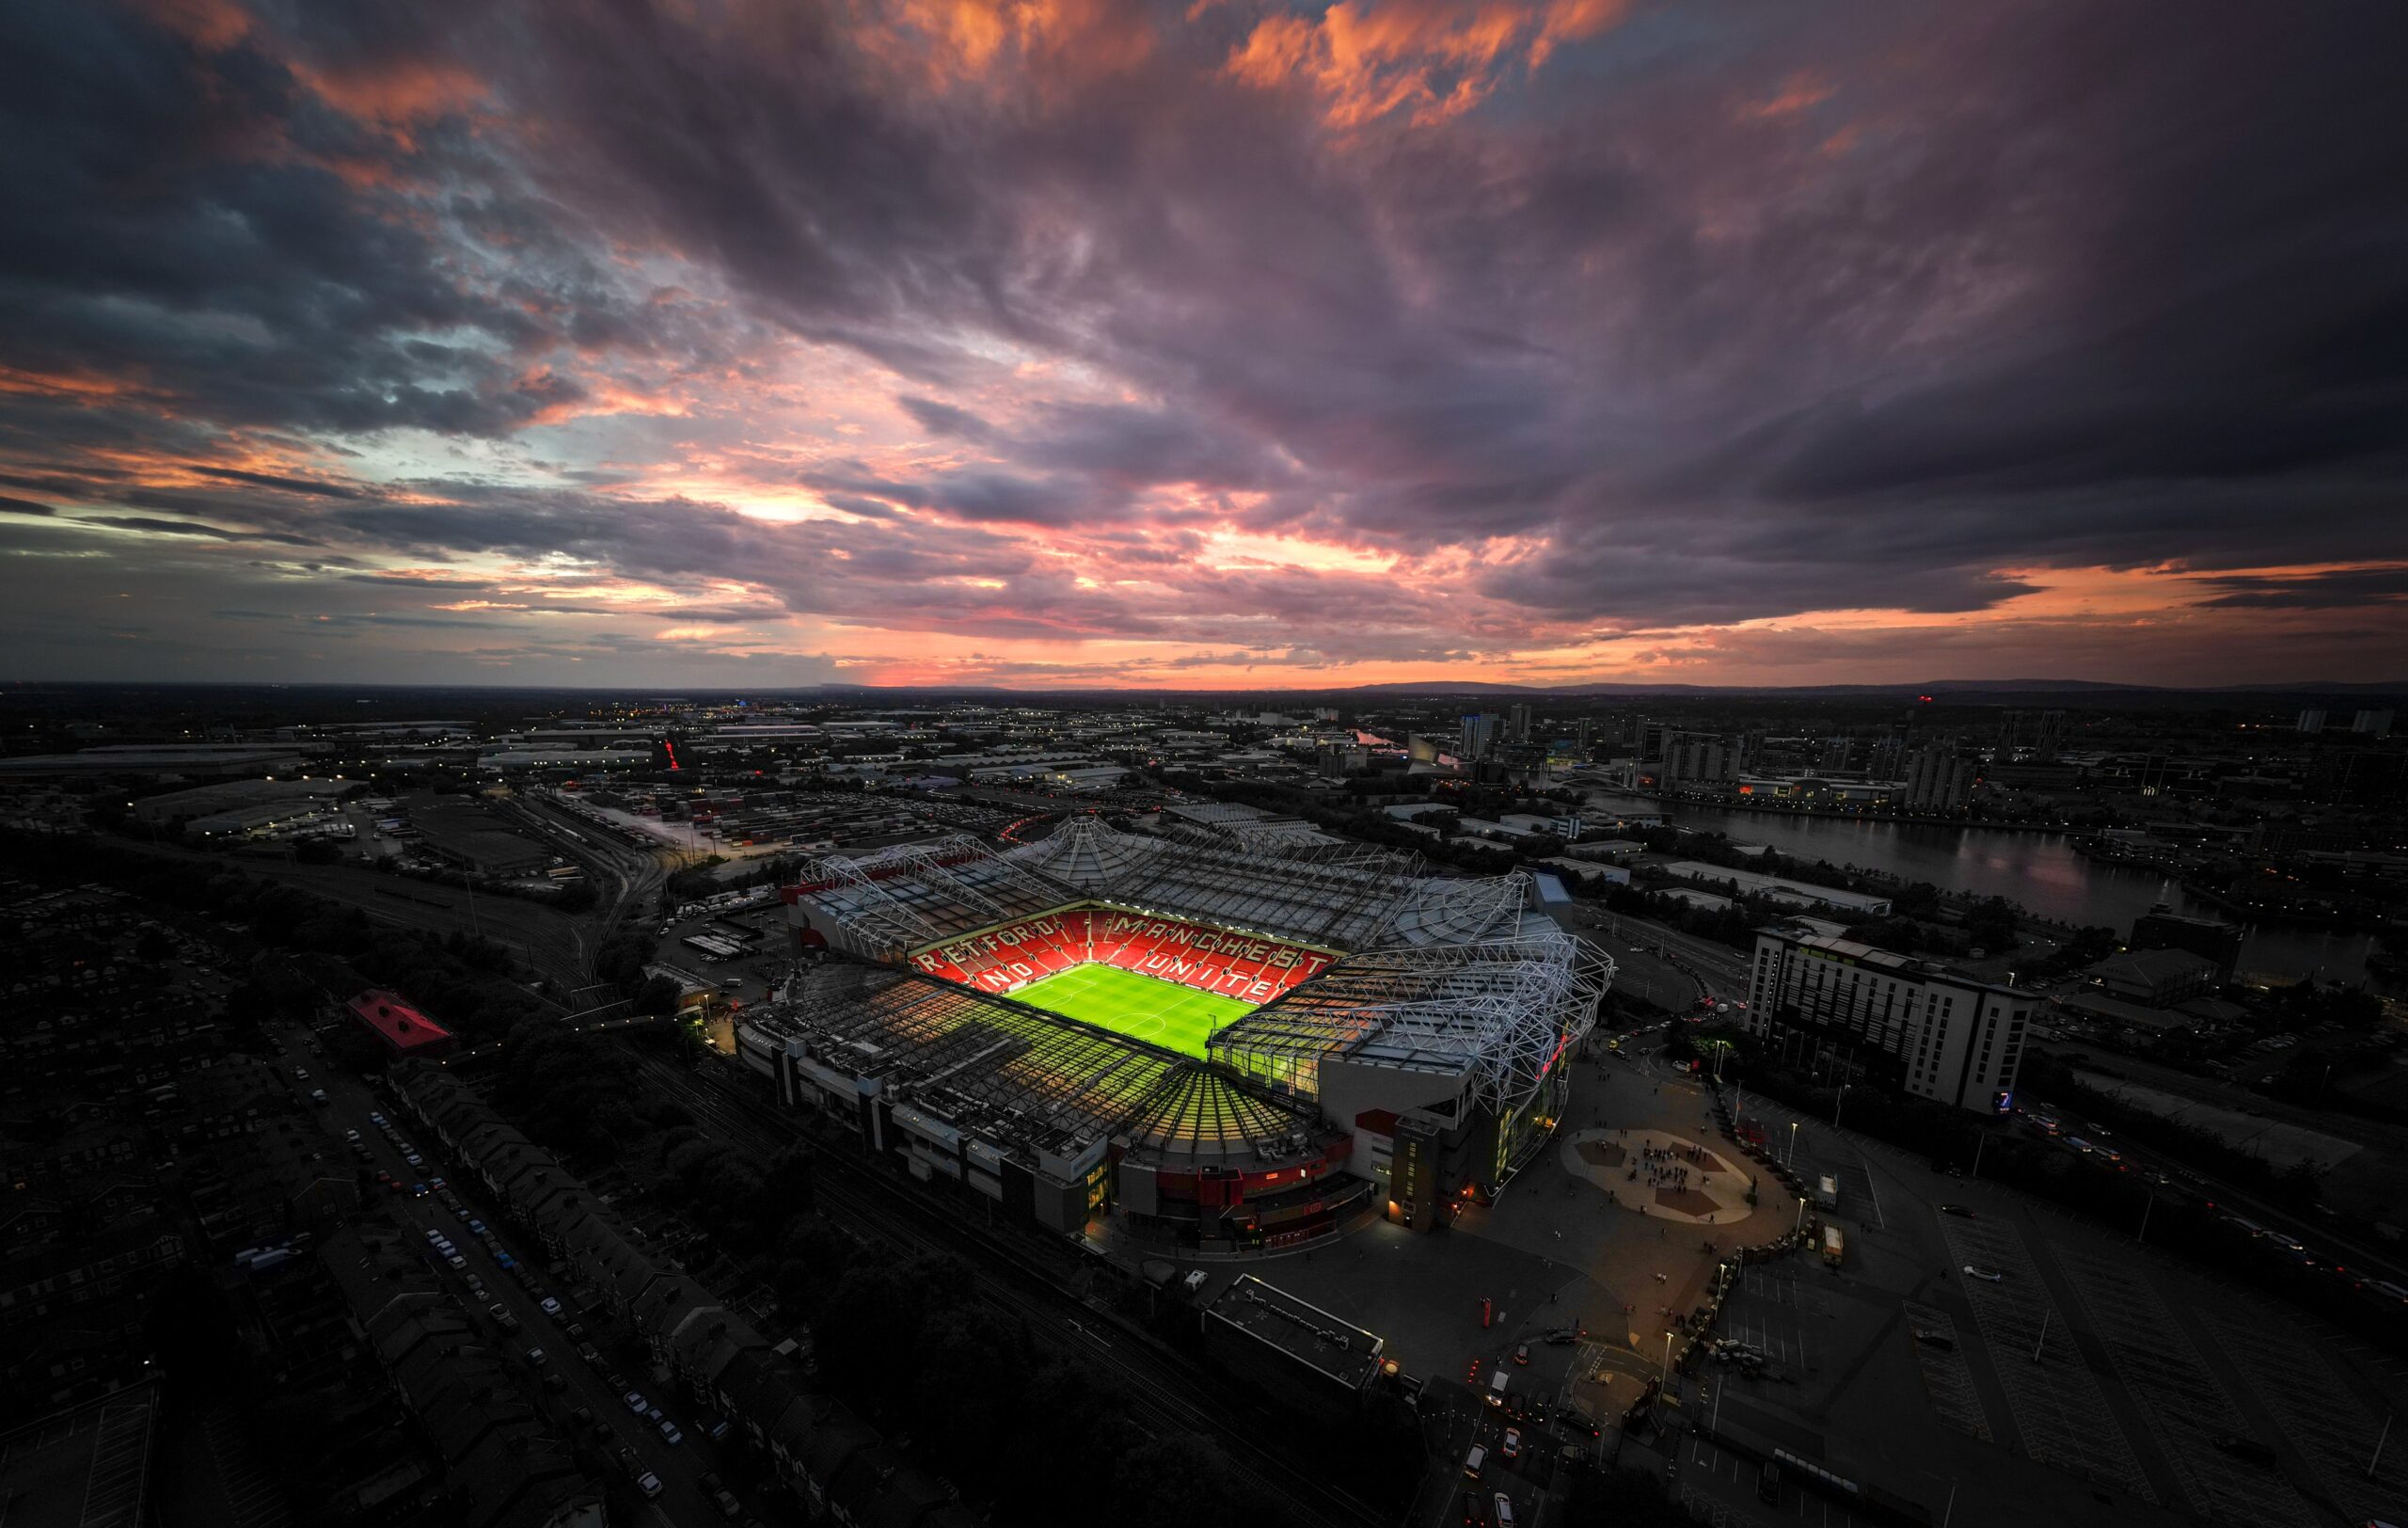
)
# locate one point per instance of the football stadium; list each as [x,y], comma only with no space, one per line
[1215,1038]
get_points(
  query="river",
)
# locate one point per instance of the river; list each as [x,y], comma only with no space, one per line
[2041,871]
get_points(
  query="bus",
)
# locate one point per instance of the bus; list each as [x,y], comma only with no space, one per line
[1834,1245]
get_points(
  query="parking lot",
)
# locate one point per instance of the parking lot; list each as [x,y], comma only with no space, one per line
[2183,1404]
[2061,1413]
[1773,1311]
[2156,1379]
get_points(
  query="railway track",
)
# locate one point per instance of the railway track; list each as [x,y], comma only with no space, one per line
[1164,1395]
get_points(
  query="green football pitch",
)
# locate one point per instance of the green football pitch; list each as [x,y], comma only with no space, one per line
[1143,1007]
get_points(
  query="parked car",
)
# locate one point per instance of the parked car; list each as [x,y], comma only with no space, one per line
[1987,1276]
[636,1402]
[2245,1448]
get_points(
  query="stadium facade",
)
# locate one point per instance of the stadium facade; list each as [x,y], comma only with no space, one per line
[1404,1046]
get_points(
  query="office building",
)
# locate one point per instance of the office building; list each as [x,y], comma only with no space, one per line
[2311,720]
[2375,722]
[1519,714]
[1932,1033]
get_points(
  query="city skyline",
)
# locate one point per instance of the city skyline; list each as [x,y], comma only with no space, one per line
[1214,347]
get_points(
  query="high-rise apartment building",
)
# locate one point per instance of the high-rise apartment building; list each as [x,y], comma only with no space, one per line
[1938,780]
[2042,734]
[1698,758]
[1479,736]
[1518,716]
[2311,720]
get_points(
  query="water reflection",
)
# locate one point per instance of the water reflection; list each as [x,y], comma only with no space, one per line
[2041,871]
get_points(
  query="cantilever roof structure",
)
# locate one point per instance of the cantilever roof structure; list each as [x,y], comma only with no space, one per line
[1024,1073]
[912,895]
[1503,1009]
[1451,974]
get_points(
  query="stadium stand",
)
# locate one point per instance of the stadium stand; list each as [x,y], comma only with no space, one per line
[1383,1003]
[1191,954]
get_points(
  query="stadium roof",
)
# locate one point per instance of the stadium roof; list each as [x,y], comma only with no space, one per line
[1019,1074]
[1503,1009]
[919,893]
[1451,974]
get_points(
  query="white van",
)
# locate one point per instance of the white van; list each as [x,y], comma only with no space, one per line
[1474,1461]
[1496,1386]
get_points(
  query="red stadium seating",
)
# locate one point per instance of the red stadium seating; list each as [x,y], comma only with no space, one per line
[1192,954]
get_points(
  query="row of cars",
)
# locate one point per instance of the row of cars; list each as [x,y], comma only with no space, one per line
[2078,1138]
[450,1252]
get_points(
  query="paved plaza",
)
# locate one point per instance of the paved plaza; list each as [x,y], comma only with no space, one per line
[1894,1368]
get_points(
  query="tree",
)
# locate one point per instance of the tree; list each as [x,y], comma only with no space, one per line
[1992,923]
[658,995]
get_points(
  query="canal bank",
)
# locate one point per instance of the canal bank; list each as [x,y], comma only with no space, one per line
[2041,871]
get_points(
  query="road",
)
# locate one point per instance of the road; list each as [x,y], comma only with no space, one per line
[679,1466]
[1165,1394]
[1457,1420]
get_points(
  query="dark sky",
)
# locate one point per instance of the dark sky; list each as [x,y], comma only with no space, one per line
[1211,342]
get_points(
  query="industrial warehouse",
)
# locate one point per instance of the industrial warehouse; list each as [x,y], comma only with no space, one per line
[1387,1041]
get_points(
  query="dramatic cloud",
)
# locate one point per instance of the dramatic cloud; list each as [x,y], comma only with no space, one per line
[1240,341]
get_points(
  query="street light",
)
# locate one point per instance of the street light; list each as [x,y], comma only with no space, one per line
[1667,1380]
[1792,1160]
[1837,1104]
[1799,1229]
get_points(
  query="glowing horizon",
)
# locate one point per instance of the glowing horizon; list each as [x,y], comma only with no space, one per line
[1251,345]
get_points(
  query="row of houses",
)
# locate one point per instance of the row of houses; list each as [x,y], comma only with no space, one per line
[503,1466]
[832,1461]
